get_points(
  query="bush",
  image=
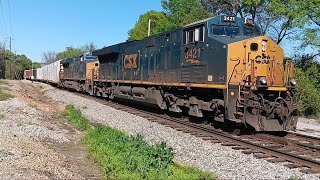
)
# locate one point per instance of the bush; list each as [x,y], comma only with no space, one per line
[307,95]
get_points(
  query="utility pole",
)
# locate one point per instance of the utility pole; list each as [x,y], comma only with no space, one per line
[149,26]
[10,60]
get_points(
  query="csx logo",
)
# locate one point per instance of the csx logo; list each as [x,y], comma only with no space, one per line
[130,61]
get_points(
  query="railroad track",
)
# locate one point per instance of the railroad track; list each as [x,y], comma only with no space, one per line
[294,150]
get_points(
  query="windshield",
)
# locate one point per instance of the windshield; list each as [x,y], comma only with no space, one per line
[91,57]
[250,31]
[225,30]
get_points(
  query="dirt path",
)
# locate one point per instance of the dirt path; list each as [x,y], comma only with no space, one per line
[36,142]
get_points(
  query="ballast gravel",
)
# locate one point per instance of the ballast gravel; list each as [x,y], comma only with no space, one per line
[224,161]
[35,143]
[310,127]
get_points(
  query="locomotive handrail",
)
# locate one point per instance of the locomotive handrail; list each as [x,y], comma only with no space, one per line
[234,68]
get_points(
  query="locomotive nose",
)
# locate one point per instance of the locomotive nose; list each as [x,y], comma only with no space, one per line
[267,62]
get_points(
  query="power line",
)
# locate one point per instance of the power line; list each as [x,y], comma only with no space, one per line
[4,24]
[10,16]
[1,26]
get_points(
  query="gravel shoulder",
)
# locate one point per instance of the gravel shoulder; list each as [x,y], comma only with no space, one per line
[309,127]
[224,161]
[36,143]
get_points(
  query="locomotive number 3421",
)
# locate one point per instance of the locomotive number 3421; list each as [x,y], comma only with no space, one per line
[193,54]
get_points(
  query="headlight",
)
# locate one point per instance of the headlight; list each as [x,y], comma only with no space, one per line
[263,80]
[264,46]
[293,82]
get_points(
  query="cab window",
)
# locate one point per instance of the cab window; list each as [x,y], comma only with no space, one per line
[194,35]
[225,30]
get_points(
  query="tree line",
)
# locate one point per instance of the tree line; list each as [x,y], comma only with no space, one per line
[12,66]
[279,19]
[52,56]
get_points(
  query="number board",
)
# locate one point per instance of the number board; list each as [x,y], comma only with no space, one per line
[228,18]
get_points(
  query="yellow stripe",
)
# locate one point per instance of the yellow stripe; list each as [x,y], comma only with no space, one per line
[216,86]
[277,88]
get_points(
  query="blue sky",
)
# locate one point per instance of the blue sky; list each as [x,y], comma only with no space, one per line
[39,26]
[51,25]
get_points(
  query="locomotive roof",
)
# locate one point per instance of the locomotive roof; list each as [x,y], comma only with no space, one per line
[198,22]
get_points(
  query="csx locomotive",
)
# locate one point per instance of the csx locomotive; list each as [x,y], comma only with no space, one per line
[219,68]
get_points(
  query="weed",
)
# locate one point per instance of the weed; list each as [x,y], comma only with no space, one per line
[34,106]
[50,146]
[3,82]
[20,123]
[123,157]
[4,95]
[294,177]
[75,117]
[130,157]
[61,121]
[2,116]
[5,88]
[84,107]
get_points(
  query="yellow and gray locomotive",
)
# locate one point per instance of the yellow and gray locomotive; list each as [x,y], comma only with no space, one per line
[218,68]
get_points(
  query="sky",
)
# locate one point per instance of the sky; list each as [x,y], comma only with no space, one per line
[39,26]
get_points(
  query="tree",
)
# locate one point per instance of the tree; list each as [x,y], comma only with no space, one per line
[89,47]
[183,12]
[159,23]
[307,95]
[49,57]
[69,52]
[222,6]
[311,31]
[176,13]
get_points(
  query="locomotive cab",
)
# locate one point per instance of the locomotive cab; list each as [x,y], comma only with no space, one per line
[259,84]
[230,54]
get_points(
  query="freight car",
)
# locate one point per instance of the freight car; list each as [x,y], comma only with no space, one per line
[27,74]
[219,68]
[30,74]
[49,73]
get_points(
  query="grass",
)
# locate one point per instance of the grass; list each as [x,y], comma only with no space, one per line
[3,94]
[3,82]
[75,117]
[294,177]
[50,146]
[20,123]
[129,157]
